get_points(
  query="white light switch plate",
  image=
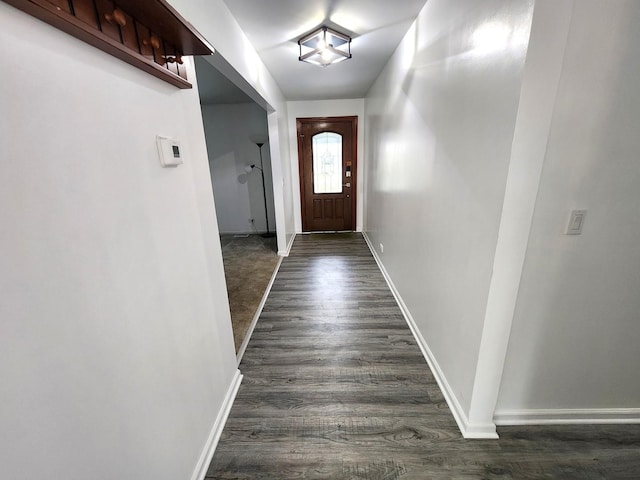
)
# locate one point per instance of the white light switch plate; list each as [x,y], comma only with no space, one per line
[576,222]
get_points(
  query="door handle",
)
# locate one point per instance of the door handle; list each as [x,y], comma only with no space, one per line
[346,184]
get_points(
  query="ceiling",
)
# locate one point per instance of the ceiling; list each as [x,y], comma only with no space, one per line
[274,27]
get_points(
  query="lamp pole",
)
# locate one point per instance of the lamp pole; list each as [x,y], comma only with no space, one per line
[264,189]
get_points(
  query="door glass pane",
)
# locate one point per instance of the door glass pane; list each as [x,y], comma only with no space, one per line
[327,163]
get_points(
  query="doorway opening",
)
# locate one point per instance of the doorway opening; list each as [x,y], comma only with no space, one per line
[327,153]
[236,133]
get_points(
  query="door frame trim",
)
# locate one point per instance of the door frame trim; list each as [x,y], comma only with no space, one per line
[353,120]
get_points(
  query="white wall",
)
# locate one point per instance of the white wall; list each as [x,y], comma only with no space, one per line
[326,108]
[283,192]
[239,196]
[116,343]
[575,336]
[439,124]
[240,62]
[537,96]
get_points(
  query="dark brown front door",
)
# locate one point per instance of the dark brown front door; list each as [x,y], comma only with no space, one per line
[327,155]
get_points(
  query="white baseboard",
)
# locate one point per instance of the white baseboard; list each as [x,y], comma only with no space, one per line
[244,232]
[567,416]
[254,321]
[286,252]
[467,429]
[216,431]
[237,232]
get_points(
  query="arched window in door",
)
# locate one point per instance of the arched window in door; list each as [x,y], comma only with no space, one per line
[327,163]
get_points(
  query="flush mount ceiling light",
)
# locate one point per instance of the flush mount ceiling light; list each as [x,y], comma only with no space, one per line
[324,47]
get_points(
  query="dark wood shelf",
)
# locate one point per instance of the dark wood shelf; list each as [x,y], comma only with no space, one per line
[163,19]
[148,34]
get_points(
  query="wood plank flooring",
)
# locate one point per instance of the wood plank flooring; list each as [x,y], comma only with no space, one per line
[335,387]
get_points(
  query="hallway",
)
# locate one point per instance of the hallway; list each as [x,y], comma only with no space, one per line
[335,387]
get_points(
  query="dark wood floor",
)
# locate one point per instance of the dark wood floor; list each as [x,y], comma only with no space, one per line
[335,387]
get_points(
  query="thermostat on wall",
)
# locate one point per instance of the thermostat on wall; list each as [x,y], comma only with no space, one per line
[169,151]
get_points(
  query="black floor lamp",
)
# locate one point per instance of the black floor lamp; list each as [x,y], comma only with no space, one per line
[249,168]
